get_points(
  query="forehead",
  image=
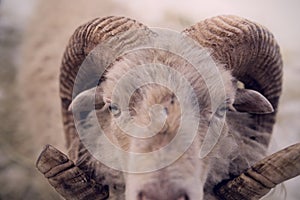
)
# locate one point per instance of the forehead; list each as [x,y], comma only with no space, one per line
[153,93]
[154,73]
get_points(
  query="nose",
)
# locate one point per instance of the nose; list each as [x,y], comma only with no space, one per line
[161,193]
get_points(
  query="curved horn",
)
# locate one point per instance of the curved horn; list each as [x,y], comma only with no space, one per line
[68,180]
[263,176]
[251,53]
[83,41]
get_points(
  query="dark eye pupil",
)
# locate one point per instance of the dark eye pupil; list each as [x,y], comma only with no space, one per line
[221,111]
[114,109]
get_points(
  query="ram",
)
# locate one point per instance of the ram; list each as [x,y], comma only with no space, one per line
[222,161]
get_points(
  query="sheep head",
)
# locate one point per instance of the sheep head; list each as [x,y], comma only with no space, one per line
[168,129]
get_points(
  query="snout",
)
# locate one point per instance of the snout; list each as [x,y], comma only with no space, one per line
[161,186]
[182,180]
[162,192]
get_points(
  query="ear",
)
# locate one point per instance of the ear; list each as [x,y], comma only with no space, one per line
[252,101]
[88,100]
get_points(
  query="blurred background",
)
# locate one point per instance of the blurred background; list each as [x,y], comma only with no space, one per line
[33,35]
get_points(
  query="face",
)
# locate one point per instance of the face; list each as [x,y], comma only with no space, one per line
[164,122]
[156,109]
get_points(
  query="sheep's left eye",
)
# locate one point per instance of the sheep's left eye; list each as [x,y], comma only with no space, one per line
[114,109]
[221,111]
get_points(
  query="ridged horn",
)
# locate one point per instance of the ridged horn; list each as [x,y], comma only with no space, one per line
[250,51]
[131,34]
[68,180]
[263,176]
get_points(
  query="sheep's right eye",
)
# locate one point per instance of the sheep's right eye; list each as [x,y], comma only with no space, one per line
[114,109]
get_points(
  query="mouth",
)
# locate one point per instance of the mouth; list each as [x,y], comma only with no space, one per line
[174,196]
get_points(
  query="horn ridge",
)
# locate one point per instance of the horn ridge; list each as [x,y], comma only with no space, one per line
[250,52]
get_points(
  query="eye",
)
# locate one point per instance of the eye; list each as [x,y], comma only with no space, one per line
[114,109]
[221,111]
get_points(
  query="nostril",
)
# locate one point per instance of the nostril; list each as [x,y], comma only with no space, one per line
[183,197]
[142,196]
